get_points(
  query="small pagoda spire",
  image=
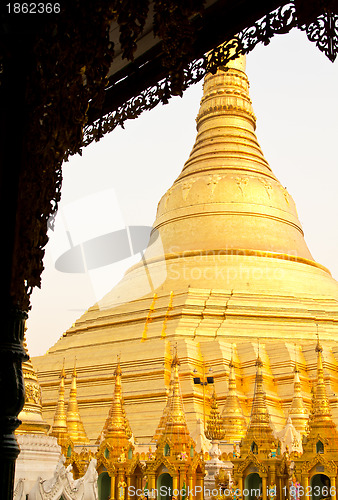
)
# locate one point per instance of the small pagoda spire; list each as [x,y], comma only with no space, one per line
[321,402]
[59,427]
[259,436]
[298,412]
[214,430]
[163,419]
[116,429]
[322,436]
[75,426]
[234,422]
[31,413]
[175,434]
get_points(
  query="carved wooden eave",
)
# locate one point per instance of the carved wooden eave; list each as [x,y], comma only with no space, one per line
[250,460]
[154,465]
[135,462]
[319,458]
[79,80]
[197,462]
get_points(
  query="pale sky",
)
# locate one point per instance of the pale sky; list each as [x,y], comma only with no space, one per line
[120,180]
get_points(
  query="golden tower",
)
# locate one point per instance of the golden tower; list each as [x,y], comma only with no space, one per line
[226,263]
[316,469]
[259,438]
[175,464]
[298,412]
[175,438]
[75,427]
[260,465]
[59,427]
[115,454]
[116,431]
[233,419]
[31,413]
[322,430]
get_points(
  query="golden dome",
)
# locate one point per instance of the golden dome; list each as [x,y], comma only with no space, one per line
[226,214]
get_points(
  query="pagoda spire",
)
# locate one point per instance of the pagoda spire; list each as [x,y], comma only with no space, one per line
[116,430]
[259,435]
[322,436]
[75,426]
[59,427]
[298,412]
[175,433]
[31,413]
[162,423]
[322,406]
[233,419]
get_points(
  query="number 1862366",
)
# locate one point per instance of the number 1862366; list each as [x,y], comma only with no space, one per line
[33,8]
[297,492]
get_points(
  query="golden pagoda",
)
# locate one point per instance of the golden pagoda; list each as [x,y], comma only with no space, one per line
[260,466]
[31,413]
[226,264]
[162,423]
[233,420]
[259,438]
[176,468]
[316,469]
[116,432]
[75,427]
[59,427]
[298,412]
[117,467]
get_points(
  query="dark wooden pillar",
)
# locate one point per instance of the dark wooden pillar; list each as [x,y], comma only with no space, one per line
[13,78]
[11,395]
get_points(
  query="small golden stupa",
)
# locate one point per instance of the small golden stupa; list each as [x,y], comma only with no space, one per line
[233,420]
[59,427]
[227,263]
[298,412]
[31,414]
[175,465]
[75,427]
[260,467]
[316,469]
[117,467]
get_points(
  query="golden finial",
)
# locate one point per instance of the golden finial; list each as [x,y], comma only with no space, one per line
[175,429]
[75,427]
[175,360]
[318,346]
[322,431]
[214,430]
[59,427]
[321,402]
[163,419]
[259,432]
[116,430]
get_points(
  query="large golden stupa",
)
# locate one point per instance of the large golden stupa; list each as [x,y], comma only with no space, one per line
[227,264]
